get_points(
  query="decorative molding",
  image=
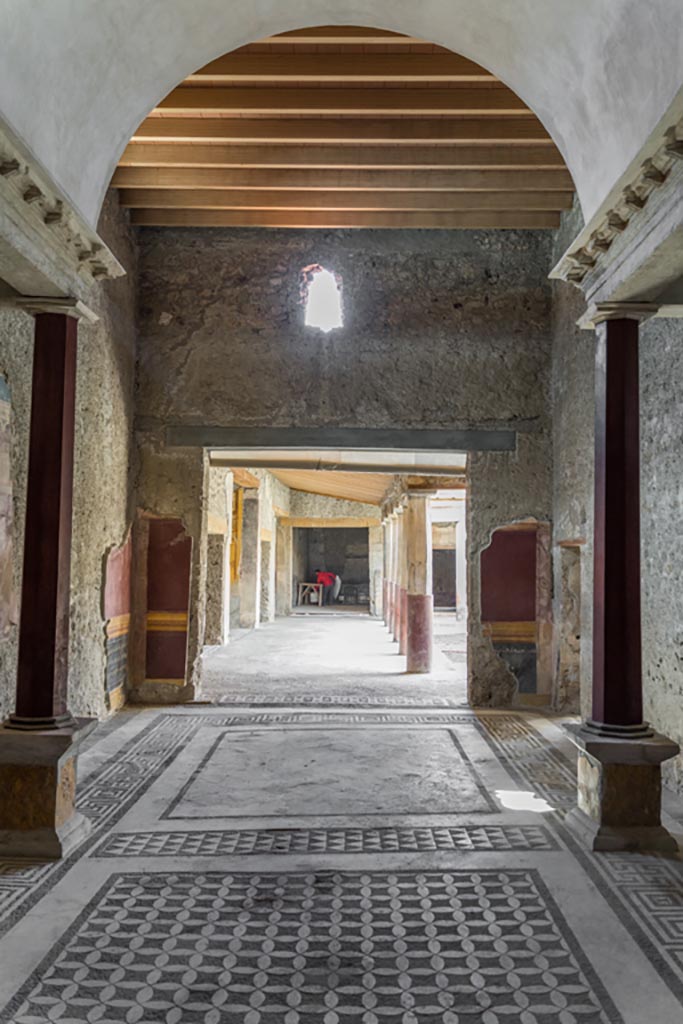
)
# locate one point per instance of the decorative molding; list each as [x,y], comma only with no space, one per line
[588,250]
[48,304]
[36,218]
[599,312]
[510,632]
[166,622]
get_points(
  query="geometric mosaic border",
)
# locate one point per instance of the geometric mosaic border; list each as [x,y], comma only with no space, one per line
[387,839]
[644,891]
[332,700]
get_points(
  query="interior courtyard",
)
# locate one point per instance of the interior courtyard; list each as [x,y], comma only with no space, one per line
[341,446]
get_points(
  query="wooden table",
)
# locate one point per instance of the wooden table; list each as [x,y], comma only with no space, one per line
[305,591]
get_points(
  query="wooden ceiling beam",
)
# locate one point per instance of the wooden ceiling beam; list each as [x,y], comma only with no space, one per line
[482,100]
[159,154]
[263,199]
[470,219]
[331,179]
[234,68]
[398,131]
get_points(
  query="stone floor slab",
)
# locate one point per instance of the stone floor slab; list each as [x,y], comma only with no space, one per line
[341,772]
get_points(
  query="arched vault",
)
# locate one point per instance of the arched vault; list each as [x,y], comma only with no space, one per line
[76,78]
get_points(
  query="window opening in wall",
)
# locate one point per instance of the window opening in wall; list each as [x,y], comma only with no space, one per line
[322,298]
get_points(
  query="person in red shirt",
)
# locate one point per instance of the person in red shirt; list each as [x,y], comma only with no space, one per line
[327,580]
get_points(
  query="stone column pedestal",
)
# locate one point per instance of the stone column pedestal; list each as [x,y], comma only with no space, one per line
[619,792]
[38,817]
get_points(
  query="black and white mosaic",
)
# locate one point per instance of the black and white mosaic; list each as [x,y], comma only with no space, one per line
[403,839]
[645,894]
[460,947]
[334,700]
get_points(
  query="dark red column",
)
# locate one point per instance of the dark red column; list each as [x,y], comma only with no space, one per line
[419,627]
[44,624]
[617,683]
[403,626]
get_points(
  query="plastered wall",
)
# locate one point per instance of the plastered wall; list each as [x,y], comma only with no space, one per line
[101,507]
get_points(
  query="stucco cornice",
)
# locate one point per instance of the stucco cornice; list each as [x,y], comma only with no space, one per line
[590,254]
[46,246]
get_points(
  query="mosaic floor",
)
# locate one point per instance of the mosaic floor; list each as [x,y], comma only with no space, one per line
[348,866]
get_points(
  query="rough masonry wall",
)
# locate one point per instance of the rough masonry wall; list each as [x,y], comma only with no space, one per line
[441,329]
[573,392]
[171,483]
[304,505]
[661,474]
[101,510]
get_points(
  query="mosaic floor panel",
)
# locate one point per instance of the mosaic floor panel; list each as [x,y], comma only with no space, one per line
[478,910]
[453,947]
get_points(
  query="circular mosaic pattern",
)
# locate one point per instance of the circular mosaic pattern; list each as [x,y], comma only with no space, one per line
[327,948]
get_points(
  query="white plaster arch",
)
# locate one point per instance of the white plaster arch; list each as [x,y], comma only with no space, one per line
[78,76]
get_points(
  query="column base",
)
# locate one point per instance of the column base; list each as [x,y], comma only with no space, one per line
[594,836]
[620,791]
[45,843]
[38,818]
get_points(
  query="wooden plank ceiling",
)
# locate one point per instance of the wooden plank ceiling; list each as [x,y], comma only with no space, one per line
[343,127]
[366,487]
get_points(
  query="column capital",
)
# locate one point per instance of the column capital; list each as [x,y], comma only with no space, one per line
[35,304]
[600,312]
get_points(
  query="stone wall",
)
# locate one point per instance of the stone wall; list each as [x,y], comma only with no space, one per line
[102,509]
[218,531]
[170,483]
[304,505]
[573,411]
[441,329]
[661,425]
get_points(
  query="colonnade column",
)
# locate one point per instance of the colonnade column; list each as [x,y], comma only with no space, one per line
[385,571]
[395,572]
[461,568]
[389,610]
[619,769]
[419,598]
[403,585]
[250,562]
[38,744]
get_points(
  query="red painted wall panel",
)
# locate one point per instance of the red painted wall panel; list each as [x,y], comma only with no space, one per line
[168,566]
[169,560]
[508,577]
[117,581]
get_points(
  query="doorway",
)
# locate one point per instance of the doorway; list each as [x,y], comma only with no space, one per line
[343,551]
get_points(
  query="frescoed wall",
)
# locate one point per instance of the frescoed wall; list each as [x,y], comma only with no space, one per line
[169,558]
[117,616]
[515,605]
